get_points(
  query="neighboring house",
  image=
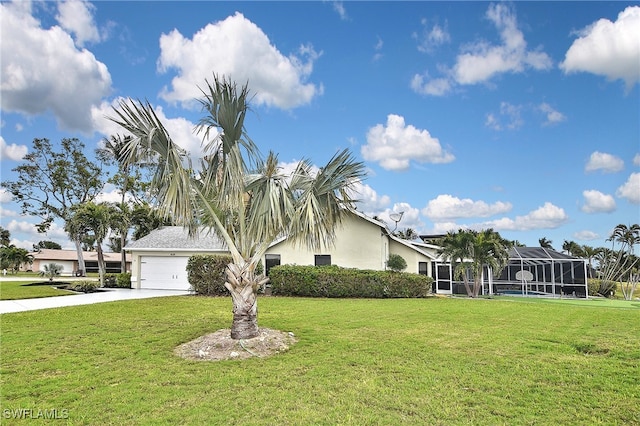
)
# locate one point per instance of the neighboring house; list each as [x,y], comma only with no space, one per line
[69,261]
[159,259]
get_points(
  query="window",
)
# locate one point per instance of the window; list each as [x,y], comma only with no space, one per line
[322,259]
[422,268]
[270,261]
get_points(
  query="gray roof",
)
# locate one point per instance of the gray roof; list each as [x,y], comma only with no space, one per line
[176,238]
[538,253]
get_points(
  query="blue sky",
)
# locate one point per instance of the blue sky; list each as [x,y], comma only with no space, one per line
[523,116]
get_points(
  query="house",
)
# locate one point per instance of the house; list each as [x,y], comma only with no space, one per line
[361,242]
[68,259]
[159,259]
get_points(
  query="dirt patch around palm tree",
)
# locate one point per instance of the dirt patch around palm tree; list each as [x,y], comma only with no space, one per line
[220,346]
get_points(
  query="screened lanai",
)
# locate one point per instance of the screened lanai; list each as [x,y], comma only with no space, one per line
[540,271]
[531,271]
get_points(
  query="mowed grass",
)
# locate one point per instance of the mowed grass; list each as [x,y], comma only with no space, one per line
[358,362]
[14,290]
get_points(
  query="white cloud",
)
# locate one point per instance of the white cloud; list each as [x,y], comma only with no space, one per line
[482,61]
[630,189]
[237,48]
[338,6]
[13,152]
[5,196]
[553,116]
[370,201]
[610,49]
[431,37]
[446,206]
[434,87]
[410,217]
[602,161]
[33,61]
[512,115]
[597,202]
[77,17]
[636,160]
[378,49]
[586,235]
[444,227]
[547,216]
[393,146]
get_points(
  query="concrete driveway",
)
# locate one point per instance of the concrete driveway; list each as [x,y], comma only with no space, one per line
[107,295]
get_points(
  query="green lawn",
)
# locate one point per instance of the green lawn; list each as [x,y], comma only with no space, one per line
[13,290]
[358,362]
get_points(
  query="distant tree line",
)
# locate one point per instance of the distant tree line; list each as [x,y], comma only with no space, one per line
[62,183]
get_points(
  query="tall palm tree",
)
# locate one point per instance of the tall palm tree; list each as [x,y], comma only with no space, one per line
[245,199]
[545,243]
[470,251]
[572,248]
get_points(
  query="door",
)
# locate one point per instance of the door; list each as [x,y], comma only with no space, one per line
[164,273]
[443,278]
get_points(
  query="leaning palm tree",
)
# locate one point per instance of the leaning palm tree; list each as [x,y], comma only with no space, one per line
[245,199]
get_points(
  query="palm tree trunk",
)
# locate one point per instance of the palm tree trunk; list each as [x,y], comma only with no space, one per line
[81,266]
[123,254]
[243,284]
[101,265]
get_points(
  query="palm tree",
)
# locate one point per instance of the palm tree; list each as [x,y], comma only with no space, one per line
[51,270]
[407,234]
[95,220]
[14,257]
[128,180]
[545,243]
[572,248]
[470,251]
[590,254]
[457,247]
[245,199]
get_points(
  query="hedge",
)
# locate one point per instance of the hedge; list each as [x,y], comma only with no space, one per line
[206,274]
[334,281]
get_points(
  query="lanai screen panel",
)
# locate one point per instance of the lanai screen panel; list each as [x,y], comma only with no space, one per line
[553,272]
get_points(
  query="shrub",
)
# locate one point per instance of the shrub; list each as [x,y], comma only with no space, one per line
[84,286]
[123,280]
[598,287]
[333,281]
[206,274]
[110,281]
[396,263]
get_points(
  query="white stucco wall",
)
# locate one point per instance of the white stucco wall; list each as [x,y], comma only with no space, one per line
[359,244]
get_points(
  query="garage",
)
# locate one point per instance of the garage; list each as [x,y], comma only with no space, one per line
[164,273]
[159,260]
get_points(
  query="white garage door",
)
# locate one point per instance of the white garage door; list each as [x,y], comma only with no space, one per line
[165,273]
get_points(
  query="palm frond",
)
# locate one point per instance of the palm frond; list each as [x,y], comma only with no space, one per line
[172,179]
[324,199]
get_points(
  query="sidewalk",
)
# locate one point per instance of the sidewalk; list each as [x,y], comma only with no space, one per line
[107,295]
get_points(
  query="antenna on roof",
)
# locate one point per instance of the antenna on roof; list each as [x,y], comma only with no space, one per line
[396,217]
